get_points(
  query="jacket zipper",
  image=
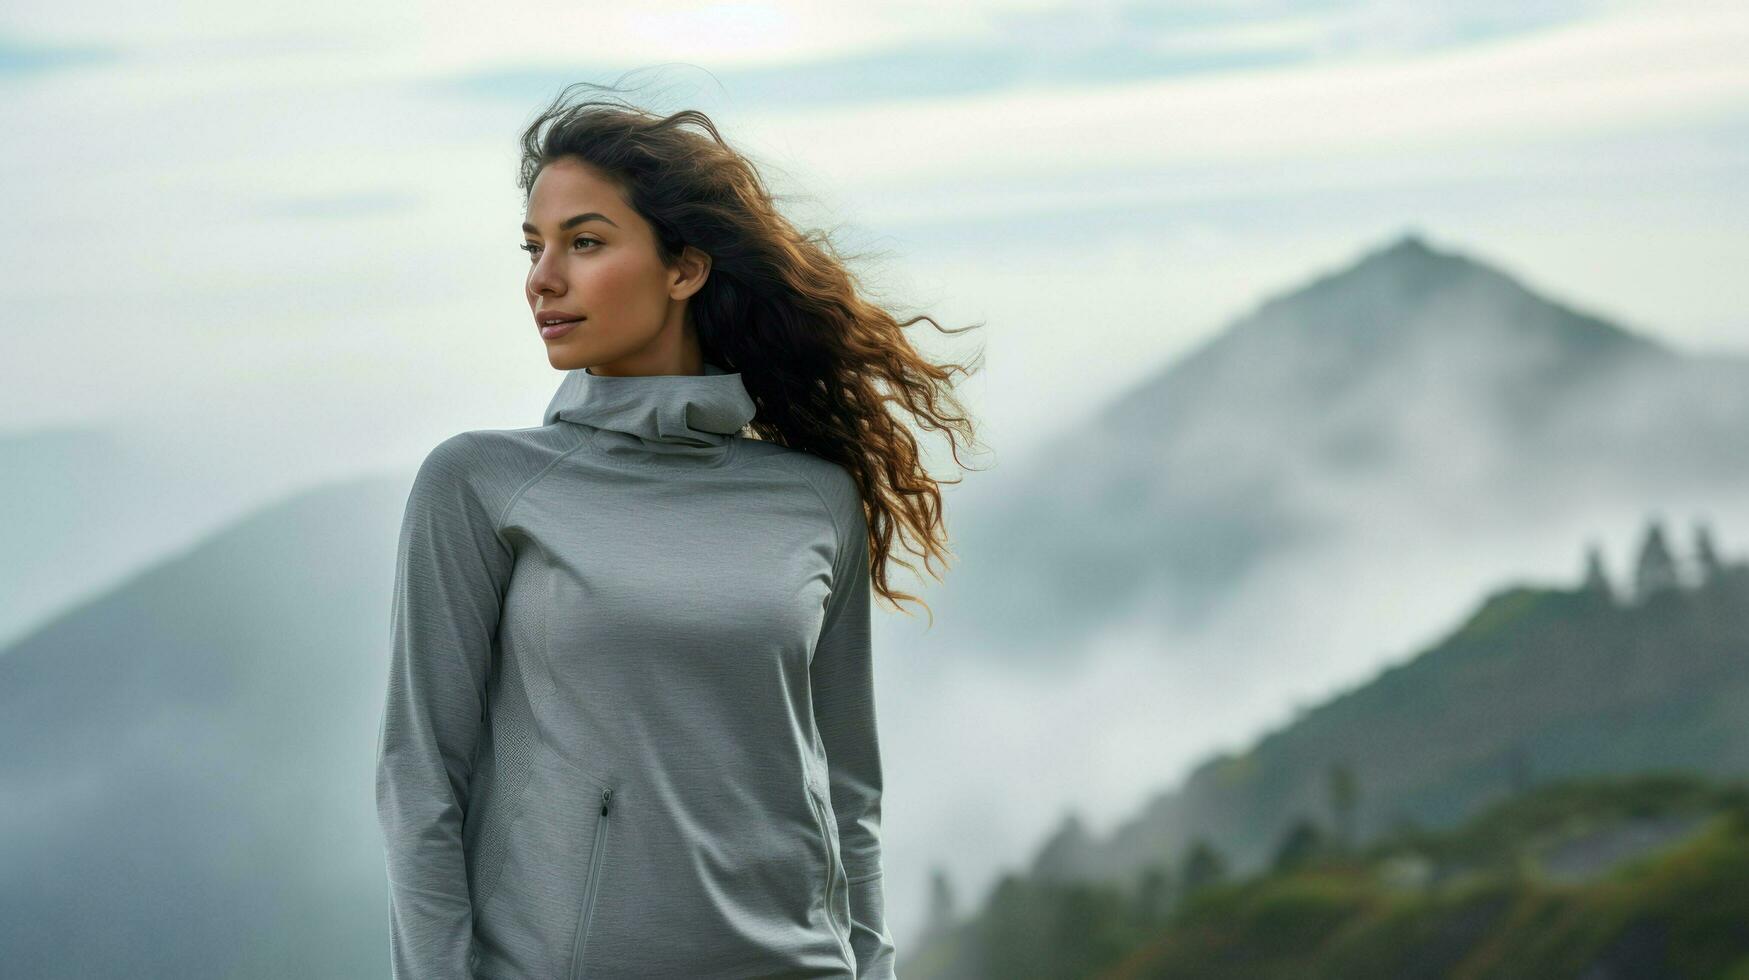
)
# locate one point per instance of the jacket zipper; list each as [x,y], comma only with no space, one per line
[583,917]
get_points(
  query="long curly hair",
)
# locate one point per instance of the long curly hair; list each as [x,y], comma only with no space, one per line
[819,358]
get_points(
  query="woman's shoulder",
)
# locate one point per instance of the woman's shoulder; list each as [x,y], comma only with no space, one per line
[830,482]
[490,464]
[808,466]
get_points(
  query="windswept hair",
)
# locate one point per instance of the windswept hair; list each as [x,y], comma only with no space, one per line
[819,358]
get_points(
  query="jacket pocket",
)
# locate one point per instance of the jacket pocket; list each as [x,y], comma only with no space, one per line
[592,887]
[532,915]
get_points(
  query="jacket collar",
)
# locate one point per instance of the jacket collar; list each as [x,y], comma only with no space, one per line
[681,409]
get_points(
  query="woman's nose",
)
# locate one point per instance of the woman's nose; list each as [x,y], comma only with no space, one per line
[541,278]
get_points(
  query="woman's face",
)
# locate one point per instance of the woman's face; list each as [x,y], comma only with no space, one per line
[594,257]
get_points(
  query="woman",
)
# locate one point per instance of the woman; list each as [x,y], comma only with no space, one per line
[630,724]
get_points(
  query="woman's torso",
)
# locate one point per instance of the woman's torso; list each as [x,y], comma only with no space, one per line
[650,795]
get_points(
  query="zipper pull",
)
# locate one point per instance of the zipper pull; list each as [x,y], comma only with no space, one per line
[606,800]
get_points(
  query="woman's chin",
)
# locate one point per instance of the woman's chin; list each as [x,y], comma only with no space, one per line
[567,357]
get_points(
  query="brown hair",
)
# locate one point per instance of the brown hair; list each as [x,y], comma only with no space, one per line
[781,307]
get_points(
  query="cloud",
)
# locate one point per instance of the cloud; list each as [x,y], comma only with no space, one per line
[349,205]
[22,59]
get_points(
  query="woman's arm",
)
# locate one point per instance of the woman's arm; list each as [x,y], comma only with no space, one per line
[452,567]
[842,686]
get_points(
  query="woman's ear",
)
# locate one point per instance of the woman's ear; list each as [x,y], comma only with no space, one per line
[690,272]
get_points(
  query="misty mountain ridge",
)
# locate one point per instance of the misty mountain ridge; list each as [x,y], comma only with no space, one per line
[189,791]
[1540,683]
[1415,385]
[1559,787]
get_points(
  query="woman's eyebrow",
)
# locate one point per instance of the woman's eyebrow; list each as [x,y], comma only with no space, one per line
[573,222]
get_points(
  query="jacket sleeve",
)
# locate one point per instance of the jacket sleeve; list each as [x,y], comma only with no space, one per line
[450,573]
[841,682]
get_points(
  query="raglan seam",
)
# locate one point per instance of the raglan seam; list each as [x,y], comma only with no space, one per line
[783,461]
[837,529]
[504,514]
[469,439]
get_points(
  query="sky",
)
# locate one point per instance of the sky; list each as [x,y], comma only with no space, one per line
[221,210]
[279,243]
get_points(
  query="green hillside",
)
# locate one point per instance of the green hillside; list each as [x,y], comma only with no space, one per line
[1497,898]
[1556,789]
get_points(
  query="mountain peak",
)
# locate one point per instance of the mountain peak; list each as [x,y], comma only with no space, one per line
[1408,288]
[1412,242]
[1402,303]
[1410,255]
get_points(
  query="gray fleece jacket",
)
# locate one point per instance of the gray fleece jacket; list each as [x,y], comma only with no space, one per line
[630,726]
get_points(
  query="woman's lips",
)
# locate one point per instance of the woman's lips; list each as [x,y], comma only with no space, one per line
[558,329]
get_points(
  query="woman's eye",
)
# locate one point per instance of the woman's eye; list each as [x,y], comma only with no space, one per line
[532,248]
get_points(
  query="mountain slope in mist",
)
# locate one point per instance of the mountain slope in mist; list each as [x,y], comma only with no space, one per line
[83,507]
[190,758]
